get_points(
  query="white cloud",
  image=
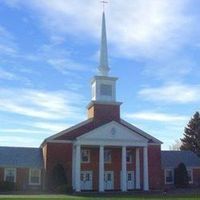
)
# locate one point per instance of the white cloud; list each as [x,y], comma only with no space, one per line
[156,116]
[142,27]
[7,75]
[172,93]
[20,141]
[60,59]
[65,65]
[55,105]
[22,131]
[164,69]
[8,45]
[52,127]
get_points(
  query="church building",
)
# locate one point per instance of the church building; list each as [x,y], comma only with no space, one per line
[102,153]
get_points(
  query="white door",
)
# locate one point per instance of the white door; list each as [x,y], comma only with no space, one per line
[108,180]
[130,180]
[86,180]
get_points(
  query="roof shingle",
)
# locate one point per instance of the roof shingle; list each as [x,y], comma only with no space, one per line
[171,159]
[21,157]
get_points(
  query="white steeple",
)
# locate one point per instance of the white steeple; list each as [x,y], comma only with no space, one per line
[104,86]
[103,67]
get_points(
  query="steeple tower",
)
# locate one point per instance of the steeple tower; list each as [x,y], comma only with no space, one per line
[104,106]
[103,67]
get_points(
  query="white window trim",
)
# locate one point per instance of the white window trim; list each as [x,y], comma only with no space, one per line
[190,169]
[88,161]
[131,154]
[169,169]
[109,161]
[30,183]
[15,173]
[89,172]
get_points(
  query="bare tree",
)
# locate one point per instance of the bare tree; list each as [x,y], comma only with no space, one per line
[176,146]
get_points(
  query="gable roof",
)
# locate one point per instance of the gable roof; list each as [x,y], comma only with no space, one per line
[73,132]
[21,157]
[140,132]
[171,159]
[88,125]
[114,134]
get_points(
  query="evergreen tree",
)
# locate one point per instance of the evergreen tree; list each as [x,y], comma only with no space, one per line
[191,140]
[181,176]
[58,177]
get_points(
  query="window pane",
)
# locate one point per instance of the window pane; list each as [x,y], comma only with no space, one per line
[107,156]
[129,177]
[106,90]
[189,175]
[35,176]
[10,178]
[128,157]
[169,176]
[10,175]
[85,155]
[34,179]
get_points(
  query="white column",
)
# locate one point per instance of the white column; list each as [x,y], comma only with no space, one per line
[73,166]
[137,168]
[146,175]
[124,173]
[101,169]
[78,169]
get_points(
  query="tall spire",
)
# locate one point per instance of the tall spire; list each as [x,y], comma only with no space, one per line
[103,67]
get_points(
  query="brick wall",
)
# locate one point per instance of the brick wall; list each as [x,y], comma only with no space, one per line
[103,113]
[155,172]
[196,177]
[22,179]
[1,174]
[58,153]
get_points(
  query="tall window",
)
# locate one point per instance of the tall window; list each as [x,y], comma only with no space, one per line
[169,176]
[190,175]
[85,156]
[107,156]
[34,176]
[10,174]
[129,157]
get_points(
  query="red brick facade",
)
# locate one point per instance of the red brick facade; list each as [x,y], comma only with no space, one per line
[62,154]
[155,172]
[22,179]
[56,153]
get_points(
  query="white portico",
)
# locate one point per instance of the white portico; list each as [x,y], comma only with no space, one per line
[112,135]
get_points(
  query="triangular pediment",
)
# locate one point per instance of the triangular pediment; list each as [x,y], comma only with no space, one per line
[113,132]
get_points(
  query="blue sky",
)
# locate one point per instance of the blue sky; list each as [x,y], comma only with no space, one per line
[49,53]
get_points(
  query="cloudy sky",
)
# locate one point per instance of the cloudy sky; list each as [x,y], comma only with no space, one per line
[49,53]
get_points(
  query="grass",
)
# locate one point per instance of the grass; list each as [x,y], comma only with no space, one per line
[105,197]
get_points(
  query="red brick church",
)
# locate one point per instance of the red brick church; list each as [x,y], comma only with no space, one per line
[102,153]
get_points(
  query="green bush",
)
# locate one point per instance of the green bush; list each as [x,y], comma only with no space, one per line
[181,176]
[62,189]
[7,186]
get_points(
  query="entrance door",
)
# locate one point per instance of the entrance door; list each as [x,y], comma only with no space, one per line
[86,180]
[130,180]
[108,180]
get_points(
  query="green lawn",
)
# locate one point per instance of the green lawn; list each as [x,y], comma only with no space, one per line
[116,197]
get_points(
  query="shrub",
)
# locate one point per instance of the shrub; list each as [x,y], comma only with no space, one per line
[181,176]
[58,180]
[62,189]
[7,186]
